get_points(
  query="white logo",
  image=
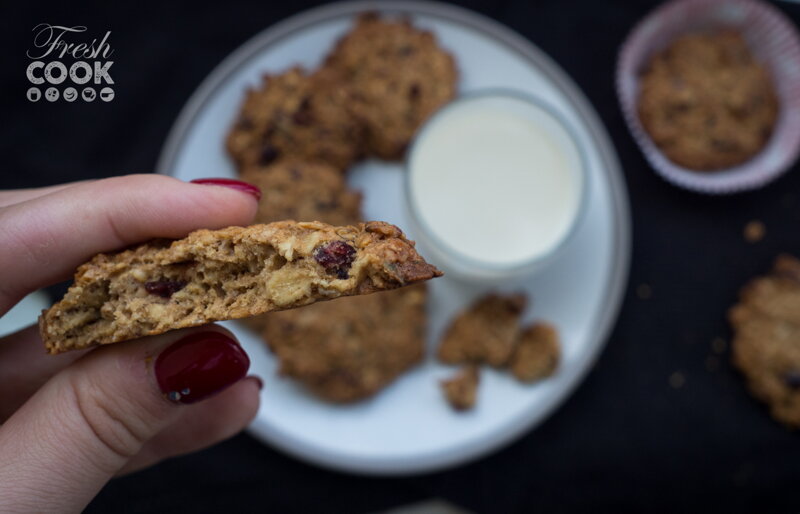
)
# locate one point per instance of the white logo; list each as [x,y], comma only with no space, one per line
[70,94]
[51,45]
[34,94]
[88,94]
[106,94]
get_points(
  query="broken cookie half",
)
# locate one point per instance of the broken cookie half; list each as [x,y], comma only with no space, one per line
[227,274]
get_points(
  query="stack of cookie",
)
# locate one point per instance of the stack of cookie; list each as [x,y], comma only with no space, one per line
[295,137]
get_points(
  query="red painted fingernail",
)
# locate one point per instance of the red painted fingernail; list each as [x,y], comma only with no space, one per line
[200,365]
[238,185]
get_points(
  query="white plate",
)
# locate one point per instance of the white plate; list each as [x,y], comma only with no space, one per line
[408,428]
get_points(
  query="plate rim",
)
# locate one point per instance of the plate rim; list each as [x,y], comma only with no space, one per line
[615,283]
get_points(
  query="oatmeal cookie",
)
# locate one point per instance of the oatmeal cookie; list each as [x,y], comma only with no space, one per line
[766,343]
[296,114]
[706,102]
[536,353]
[303,191]
[461,391]
[348,350]
[484,333]
[227,274]
[399,76]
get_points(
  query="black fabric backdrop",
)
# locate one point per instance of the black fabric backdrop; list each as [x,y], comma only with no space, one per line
[626,440]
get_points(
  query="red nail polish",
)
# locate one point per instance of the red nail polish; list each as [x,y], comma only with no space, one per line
[238,185]
[200,365]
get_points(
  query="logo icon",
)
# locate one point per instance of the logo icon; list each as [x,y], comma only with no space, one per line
[88,94]
[64,60]
[106,94]
[70,94]
[34,94]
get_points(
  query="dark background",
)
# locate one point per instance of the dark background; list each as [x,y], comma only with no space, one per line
[626,440]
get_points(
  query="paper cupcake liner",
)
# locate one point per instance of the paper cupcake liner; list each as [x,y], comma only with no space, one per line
[774,41]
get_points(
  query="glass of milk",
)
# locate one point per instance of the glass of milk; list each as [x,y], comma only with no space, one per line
[496,185]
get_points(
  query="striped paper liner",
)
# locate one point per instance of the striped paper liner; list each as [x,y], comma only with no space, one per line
[774,41]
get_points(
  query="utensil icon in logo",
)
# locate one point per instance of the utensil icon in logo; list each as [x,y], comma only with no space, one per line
[70,94]
[106,94]
[51,94]
[88,94]
[34,94]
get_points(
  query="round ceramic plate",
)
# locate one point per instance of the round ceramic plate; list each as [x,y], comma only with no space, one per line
[408,427]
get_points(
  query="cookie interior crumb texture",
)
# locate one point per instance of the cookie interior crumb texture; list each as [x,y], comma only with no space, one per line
[766,325]
[461,391]
[706,102]
[485,332]
[227,274]
[536,353]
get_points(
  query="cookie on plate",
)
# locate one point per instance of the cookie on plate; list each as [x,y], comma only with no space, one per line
[706,101]
[766,343]
[348,350]
[399,77]
[227,274]
[461,391]
[484,333]
[536,353]
[296,114]
[293,189]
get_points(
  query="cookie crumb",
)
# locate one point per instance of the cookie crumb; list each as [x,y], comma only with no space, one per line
[644,291]
[461,390]
[719,345]
[485,332]
[754,231]
[536,353]
[677,380]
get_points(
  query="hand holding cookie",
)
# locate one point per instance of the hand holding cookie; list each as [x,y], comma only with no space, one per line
[123,407]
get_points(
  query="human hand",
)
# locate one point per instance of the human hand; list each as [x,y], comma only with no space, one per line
[70,422]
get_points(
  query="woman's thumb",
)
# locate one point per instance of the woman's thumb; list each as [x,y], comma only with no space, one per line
[88,421]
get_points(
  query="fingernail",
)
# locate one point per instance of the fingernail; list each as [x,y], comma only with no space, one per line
[238,185]
[200,365]
[258,381]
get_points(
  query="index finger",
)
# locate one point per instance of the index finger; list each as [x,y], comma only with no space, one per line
[43,240]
